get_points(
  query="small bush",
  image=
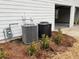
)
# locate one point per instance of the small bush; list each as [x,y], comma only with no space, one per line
[2,54]
[58,37]
[76,21]
[45,42]
[32,49]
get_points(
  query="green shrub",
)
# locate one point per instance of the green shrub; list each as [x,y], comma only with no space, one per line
[45,42]
[57,39]
[2,54]
[76,21]
[32,49]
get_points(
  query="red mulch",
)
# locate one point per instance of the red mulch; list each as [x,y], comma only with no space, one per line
[17,50]
[67,41]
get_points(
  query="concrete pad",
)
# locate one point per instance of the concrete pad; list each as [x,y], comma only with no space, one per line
[74,31]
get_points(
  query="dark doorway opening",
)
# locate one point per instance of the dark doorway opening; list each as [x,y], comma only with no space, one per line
[62,16]
[76,19]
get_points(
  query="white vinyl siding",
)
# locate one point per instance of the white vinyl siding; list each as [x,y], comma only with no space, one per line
[11,11]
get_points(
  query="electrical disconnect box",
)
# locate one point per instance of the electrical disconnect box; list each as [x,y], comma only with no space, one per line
[8,32]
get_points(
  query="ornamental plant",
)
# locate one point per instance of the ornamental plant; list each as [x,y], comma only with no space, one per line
[32,49]
[76,21]
[2,54]
[58,37]
[45,41]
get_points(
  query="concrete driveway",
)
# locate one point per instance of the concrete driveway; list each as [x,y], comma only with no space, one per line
[74,31]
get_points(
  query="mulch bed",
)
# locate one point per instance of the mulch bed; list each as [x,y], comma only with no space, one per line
[17,50]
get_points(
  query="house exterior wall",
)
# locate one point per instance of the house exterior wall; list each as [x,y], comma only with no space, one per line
[72,16]
[64,2]
[76,3]
[11,11]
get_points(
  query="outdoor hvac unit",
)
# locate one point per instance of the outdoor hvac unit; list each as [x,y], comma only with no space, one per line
[44,28]
[29,33]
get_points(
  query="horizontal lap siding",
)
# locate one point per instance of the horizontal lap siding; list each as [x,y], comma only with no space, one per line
[77,3]
[11,11]
[65,2]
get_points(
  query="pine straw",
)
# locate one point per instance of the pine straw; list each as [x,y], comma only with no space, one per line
[17,51]
[72,53]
